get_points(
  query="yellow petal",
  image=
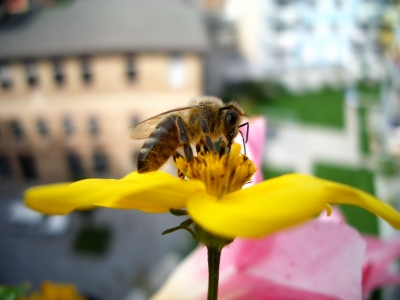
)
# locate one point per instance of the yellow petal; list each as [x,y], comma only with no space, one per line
[344,194]
[153,192]
[276,204]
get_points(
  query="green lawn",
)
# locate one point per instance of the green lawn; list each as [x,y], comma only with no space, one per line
[323,108]
[269,172]
[363,220]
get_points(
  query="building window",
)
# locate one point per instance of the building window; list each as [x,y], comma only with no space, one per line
[131,68]
[100,163]
[335,28]
[68,127]
[312,3]
[176,72]
[16,129]
[59,75]
[5,167]
[87,70]
[279,27]
[309,27]
[31,73]
[282,2]
[5,76]
[42,128]
[94,126]
[27,166]
[75,166]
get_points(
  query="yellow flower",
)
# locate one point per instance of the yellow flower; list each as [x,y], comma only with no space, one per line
[53,291]
[213,196]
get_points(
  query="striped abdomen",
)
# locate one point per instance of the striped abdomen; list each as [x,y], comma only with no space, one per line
[159,146]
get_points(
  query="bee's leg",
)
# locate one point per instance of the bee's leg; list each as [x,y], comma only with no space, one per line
[204,145]
[208,142]
[198,148]
[222,149]
[175,156]
[184,140]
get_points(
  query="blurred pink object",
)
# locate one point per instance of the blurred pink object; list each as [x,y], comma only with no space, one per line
[318,260]
[255,144]
[379,255]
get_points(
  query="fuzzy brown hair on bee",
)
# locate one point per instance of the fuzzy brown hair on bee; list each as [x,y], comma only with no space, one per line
[204,121]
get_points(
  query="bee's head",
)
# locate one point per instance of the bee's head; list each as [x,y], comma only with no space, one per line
[232,115]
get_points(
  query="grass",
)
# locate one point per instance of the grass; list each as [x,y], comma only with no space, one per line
[362,220]
[322,108]
[269,172]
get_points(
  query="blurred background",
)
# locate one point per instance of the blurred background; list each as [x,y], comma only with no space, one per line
[76,74]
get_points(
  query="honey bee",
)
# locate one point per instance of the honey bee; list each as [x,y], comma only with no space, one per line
[204,121]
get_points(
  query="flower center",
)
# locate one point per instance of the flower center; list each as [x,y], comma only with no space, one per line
[222,173]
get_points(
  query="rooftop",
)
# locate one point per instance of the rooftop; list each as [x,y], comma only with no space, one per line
[104,26]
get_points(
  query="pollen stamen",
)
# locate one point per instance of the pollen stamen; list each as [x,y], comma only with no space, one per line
[221,172]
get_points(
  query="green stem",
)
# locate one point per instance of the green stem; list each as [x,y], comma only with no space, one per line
[214,255]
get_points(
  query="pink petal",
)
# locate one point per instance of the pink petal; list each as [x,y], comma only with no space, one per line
[377,259]
[319,260]
[319,257]
[336,216]
[250,287]
[379,255]
[256,143]
[189,280]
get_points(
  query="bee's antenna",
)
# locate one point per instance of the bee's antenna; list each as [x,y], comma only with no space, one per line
[247,135]
[230,106]
[247,130]
[244,144]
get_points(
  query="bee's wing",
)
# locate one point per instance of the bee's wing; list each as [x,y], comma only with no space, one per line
[143,129]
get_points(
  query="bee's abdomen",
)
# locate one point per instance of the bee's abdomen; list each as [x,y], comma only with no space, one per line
[159,146]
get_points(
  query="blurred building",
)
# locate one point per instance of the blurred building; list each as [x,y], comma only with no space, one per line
[305,44]
[366,39]
[225,63]
[74,79]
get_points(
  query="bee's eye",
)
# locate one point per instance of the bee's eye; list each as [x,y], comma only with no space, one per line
[231,118]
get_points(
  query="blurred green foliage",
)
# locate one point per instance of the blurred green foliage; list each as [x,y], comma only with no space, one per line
[270,172]
[388,165]
[93,239]
[323,107]
[12,292]
[362,220]
[364,144]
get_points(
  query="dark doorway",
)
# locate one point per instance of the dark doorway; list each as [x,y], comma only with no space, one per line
[75,166]
[28,167]
[5,167]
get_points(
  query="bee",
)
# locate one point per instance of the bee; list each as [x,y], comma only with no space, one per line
[204,121]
